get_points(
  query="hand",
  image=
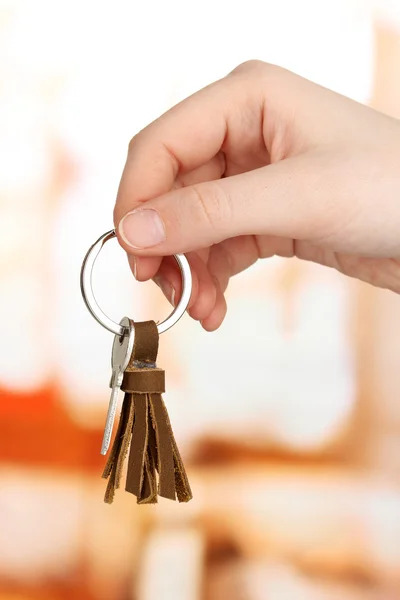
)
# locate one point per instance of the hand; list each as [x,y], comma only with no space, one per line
[261,163]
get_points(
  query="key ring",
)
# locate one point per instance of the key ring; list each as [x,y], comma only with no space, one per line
[101,317]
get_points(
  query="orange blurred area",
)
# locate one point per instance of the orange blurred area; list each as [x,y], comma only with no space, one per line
[294,462]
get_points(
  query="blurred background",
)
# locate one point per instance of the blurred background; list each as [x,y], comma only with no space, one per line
[296,479]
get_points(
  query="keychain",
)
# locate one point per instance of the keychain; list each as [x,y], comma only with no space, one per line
[144,435]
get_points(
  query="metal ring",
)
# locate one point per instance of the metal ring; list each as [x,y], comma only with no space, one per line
[101,317]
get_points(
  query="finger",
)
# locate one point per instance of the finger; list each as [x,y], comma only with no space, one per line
[212,170]
[203,294]
[227,258]
[205,299]
[217,315]
[191,134]
[169,280]
[222,262]
[145,268]
[231,257]
[238,253]
[183,139]
[289,199]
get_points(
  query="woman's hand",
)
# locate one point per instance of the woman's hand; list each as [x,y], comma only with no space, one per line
[261,163]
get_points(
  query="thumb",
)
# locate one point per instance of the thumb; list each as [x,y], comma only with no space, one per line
[274,200]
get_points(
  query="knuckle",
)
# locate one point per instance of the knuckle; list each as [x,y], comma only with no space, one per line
[249,65]
[255,67]
[213,204]
[135,142]
[132,144]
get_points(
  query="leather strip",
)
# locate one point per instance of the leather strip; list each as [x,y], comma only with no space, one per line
[165,467]
[149,488]
[144,381]
[123,431]
[152,442]
[148,493]
[137,454]
[126,440]
[182,486]
[145,345]
[117,440]
[183,490]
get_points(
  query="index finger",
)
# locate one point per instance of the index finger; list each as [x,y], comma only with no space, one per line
[186,137]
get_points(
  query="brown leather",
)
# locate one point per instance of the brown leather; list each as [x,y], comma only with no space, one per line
[146,426]
[183,490]
[144,381]
[182,486]
[165,466]
[126,440]
[114,465]
[137,454]
[148,494]
[145,345]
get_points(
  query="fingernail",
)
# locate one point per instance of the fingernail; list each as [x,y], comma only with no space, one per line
[167,289]
[142,228]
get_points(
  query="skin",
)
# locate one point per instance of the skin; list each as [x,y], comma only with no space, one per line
[263,163]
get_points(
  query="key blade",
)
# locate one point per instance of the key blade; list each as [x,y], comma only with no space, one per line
[112,409]
[116,379]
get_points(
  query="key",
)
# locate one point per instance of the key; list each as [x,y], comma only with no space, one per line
[121,353]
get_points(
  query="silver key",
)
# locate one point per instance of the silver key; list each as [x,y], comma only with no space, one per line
[121,354]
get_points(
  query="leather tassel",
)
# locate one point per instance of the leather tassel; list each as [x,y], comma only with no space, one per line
[155,467]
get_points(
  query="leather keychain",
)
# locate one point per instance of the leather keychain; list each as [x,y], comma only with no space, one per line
[144,434]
